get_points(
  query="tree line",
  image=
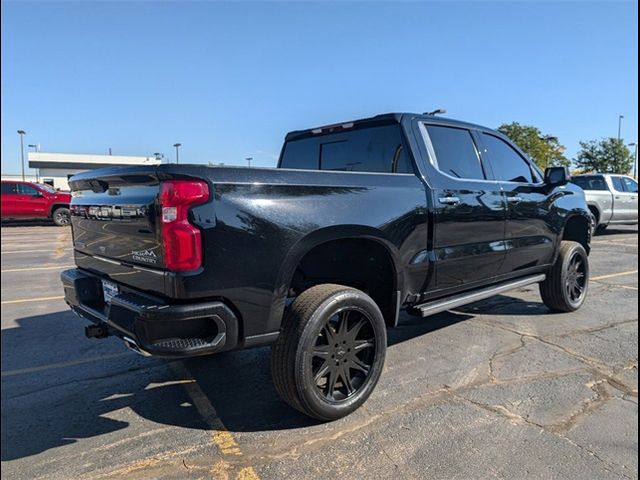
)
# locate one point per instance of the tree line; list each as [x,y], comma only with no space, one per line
[607,155]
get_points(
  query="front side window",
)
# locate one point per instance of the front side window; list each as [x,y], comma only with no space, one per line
[8,188]
[508,165]
[455,152]
[630,185]
[374,149]
[24,189]
[618,184]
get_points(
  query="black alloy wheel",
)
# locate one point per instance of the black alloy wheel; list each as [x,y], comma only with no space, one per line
[343,354]
[576,278]
[330,352]
[567,283]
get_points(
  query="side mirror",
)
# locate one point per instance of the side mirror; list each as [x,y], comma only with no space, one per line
[557,176]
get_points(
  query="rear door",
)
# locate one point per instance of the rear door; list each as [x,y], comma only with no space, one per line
[469,209]
[529,239]
[9,199]
[625,199]
[631,186]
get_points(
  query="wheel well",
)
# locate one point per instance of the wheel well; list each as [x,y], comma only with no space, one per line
[56,206]
[359,263]
[596,213]
[577,230]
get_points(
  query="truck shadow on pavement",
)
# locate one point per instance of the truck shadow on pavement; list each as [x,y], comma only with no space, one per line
[59,387]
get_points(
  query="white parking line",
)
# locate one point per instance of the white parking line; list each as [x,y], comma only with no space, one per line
[29,300]
[48,267]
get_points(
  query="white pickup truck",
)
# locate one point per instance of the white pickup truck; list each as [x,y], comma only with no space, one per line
[612,199]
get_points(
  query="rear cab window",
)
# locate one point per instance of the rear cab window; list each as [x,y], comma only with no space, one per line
[595,182]
[371,149]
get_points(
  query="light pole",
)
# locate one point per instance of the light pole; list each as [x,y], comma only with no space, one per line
[177,145]
[248,159]
[635,159]
[22,133]
[620,125]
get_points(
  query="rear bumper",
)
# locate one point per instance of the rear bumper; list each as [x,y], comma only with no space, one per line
[148,324]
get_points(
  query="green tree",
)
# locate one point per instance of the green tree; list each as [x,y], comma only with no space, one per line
[609,155]
[545,150]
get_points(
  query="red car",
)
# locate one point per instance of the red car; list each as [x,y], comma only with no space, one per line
[34,200]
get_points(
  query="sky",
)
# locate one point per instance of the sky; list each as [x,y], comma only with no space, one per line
[229,79]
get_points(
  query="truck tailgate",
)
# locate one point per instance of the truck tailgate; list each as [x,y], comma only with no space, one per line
[114,216]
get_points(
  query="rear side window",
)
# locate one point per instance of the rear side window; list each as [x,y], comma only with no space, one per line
[8,189]
[618,184]
[455,151]
[590,183]
[376,149]
[630,185]
[508,165]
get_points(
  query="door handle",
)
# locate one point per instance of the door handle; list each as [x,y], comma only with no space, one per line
[449,200]
[514,199]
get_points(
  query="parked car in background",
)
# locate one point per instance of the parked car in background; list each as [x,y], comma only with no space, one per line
[22,200]
[612,199]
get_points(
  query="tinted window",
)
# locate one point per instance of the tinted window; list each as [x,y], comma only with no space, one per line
[456,154]
[630,185]
[618,184]
[8,188]
[376,149]
[24,189]
[507,164]
[590,183]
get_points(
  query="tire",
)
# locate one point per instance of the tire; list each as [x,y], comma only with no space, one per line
[567,283]
[61,216]
[321,369]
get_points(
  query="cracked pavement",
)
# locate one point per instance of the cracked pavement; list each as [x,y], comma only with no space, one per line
[496,389]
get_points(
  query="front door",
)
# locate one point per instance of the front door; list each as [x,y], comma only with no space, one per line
[625,199]
[469,209]
[529,238]
[31,202]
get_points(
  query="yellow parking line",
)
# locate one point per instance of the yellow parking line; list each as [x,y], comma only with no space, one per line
[28,300]
[612,275]
[20,371]
[31,269]
[221,437]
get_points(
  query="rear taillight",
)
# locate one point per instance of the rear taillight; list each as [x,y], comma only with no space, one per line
[182,241]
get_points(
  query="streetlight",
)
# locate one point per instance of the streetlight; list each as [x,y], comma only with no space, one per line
[635,159]
[22,133]
[620,125]
[438,111]
[248,159]
[177,145]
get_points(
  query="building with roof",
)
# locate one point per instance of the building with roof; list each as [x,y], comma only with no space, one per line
[56,168]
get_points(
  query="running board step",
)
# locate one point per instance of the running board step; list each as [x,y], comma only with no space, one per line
[437,306]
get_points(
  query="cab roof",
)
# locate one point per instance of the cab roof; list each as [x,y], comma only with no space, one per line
[382,119]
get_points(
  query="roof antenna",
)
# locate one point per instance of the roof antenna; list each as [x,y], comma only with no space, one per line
[437,111]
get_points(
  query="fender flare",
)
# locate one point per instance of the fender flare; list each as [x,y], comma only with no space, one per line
[314,239]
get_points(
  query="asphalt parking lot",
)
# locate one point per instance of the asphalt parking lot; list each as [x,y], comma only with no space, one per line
[497,389]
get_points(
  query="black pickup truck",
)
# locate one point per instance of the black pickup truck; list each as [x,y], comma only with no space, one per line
[359,221]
